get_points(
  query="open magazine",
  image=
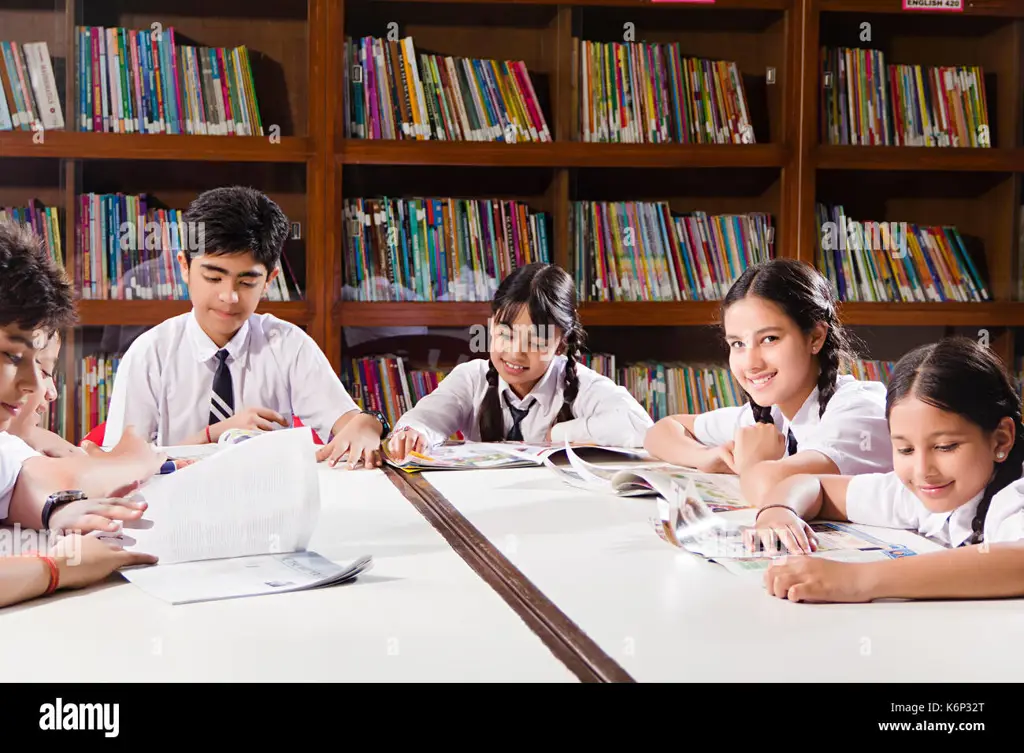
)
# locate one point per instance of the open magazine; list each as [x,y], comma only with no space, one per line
[476,455]
[236,523]
[685,521]
[716,491]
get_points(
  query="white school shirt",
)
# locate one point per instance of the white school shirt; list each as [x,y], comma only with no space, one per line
[165,379]
[881,499]
[853,432]
[13,452]
[604,412]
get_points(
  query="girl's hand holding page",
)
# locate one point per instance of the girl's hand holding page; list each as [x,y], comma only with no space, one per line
[404,441]
[781,524]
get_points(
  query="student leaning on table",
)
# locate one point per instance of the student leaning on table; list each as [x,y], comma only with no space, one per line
[786,347]
[223,366]
[36,301]
[531,388]
[955,418]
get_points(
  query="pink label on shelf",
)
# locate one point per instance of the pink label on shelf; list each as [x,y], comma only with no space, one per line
[956,6]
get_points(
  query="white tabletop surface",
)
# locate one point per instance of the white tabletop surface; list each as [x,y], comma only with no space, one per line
[668,616]
[421,614]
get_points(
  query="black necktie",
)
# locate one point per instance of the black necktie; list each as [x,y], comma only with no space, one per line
[222,401]
[791,443]
[515,434]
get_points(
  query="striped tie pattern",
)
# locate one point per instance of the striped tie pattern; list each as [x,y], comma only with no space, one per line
[222,401]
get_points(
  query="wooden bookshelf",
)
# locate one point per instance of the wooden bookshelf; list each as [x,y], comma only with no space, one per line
[312,168]
[286,45]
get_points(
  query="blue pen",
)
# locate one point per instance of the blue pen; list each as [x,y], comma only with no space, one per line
[168,467]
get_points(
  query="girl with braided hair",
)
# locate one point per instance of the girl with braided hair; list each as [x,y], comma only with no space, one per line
[531,388]
[955,420]
[786,349]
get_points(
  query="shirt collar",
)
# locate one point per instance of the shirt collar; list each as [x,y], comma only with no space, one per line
[808,415]
[204,349]
[543,392]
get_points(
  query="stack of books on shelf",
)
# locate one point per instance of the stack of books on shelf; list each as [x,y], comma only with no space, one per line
[29,100]
[393,93]
[54,417]
[95,384]
[640,251]
[143,81]
[646,93]
[437,249]
[387,384]
[44,221]
[867,102]
[871,371]
[127,250]
[895,261]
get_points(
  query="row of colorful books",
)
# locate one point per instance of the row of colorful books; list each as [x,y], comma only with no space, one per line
[437,249]
[642,251]
[29,100]
[867,102]
[647,93]
[394,93]
[144,81]
[895,261]
[127,250]
[44,221]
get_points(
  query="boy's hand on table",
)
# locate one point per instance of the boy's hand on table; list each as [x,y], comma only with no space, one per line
[104,514]
[359,439]
[256,418]
[83,560]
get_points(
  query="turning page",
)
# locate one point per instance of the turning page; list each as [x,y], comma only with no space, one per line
[258,497]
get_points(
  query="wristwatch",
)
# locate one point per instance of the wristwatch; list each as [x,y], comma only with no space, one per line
[385,426]
[59,499]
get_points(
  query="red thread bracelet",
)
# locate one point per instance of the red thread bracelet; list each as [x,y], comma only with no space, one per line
[208,440]
[54,573]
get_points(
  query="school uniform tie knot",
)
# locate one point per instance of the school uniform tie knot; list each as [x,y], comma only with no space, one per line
[222,401]
[515,434]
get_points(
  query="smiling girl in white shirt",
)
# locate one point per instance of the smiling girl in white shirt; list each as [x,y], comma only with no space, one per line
[531,388]
[786,348]
[958,450]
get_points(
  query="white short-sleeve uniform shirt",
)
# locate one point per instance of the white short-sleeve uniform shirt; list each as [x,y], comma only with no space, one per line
[853,431]
[13,452]
[165,379]
[881,499]
[603,412]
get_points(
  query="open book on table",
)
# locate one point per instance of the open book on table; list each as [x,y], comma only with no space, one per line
[716,491]
[235,524]
[477,455]
[685,521]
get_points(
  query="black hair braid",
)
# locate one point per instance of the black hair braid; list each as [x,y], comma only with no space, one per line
[1006,473]
[829,361]
[492,420]
[572,383]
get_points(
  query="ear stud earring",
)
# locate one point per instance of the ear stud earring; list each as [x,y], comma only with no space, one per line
[1000,455]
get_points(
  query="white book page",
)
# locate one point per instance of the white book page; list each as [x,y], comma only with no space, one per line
[258,497]
[189,582]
